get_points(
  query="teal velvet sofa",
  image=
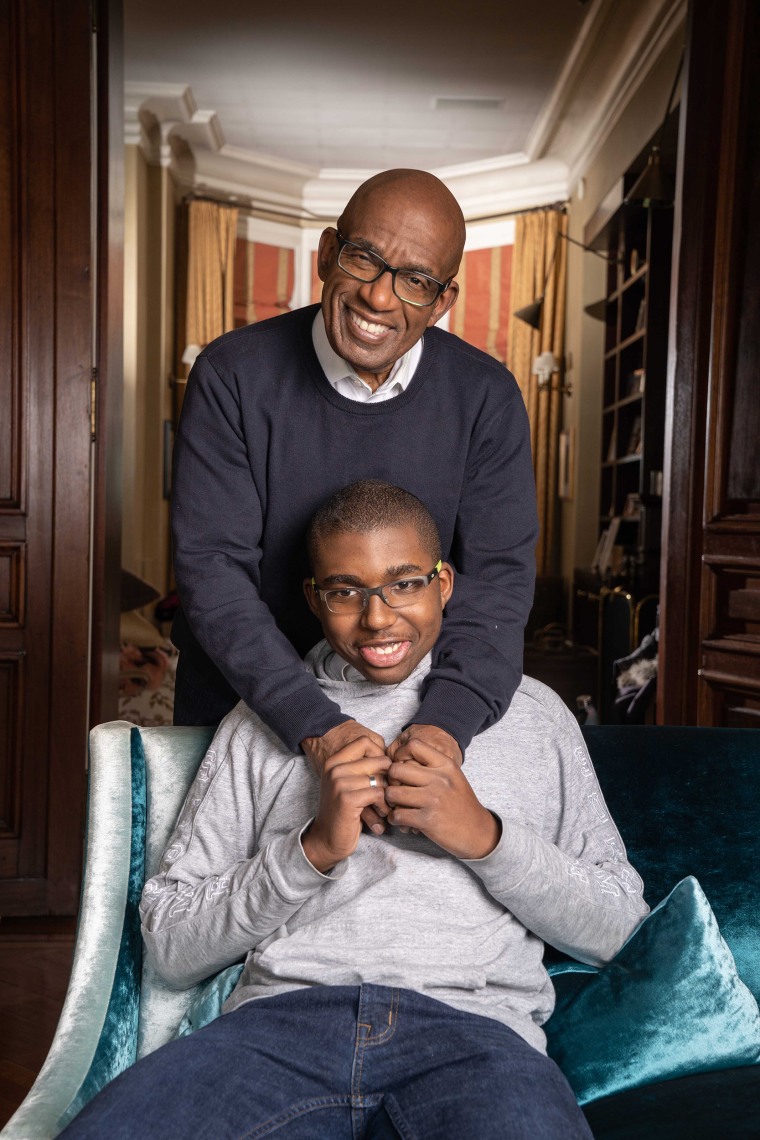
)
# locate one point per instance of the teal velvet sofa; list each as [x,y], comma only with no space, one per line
[687,802]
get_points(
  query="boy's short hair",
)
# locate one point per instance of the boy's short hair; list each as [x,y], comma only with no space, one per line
[372,504]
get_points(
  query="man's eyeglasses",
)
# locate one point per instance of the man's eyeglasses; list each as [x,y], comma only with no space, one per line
[410,286]
[355,599]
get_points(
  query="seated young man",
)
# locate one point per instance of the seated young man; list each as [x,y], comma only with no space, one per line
[393,984]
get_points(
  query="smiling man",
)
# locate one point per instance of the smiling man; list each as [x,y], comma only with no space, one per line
[280,414]
[393,985]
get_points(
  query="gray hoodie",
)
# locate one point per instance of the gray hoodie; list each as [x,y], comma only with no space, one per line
[234,882]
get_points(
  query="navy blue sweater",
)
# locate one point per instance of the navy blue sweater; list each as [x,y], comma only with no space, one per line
[264,439]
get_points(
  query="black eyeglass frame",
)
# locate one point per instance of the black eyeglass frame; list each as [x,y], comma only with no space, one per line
[366,592]
[441,286]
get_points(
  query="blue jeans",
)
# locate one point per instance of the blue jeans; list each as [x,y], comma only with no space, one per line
[340,1063]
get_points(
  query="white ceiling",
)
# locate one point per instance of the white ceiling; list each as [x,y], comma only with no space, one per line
[338,85]
[288,110]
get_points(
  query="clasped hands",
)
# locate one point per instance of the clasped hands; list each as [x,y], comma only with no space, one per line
[419,785]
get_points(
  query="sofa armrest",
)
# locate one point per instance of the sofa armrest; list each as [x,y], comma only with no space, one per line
[69,1076]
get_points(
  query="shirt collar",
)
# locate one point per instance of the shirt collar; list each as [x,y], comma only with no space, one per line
[337,369]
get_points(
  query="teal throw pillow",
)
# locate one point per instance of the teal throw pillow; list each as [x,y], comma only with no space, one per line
[669,1004]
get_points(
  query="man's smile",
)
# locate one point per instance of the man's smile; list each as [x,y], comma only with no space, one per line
[369,328]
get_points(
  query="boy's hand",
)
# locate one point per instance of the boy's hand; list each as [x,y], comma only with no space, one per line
[345,791]
[429,793]
[437,738]
[319,749]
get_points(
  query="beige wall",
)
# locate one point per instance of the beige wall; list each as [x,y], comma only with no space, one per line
[585,284]
[150,210]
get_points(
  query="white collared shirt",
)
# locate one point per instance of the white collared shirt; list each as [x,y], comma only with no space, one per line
[345,381]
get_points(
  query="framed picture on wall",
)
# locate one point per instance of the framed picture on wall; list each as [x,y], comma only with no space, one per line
[566,465]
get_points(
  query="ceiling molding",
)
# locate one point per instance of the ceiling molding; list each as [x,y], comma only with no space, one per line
[618,44]
[483,189]
[157,115]
[670,26]
[572,71]
[606,72]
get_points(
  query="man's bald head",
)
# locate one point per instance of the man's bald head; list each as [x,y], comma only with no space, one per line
[414,191]
[410,222]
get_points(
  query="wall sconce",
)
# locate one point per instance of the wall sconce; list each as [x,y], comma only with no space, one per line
[531,314]
[656,186]
[544,367]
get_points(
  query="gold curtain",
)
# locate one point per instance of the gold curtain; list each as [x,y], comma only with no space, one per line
[539,250]
[211,234]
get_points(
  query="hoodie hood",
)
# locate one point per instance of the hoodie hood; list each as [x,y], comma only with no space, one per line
[384,708]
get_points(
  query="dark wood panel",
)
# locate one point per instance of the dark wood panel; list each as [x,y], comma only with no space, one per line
[688,362]
[730,702]
[51,335]
[23,896]
[743,479]
[74,354]
[10,380]
[108,473]
[12,583]
[710,637]
[11,700]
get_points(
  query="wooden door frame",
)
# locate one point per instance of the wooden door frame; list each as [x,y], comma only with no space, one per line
[107,506]
[709,651]
[61,517]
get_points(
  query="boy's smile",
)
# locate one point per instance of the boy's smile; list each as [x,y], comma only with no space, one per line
[385,644]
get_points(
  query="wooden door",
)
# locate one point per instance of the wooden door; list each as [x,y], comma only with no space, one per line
[52,471]
[710,615]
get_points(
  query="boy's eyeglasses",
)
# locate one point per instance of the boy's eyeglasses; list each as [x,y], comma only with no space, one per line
[355,599]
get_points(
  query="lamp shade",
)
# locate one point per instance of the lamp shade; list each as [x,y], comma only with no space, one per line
[531,314]
[654,186]
[597,309]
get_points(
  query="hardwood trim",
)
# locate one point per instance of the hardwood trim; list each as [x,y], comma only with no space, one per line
[730,208]
[689,361]
[24,896]
[105,649]
[13,603]
[730,681]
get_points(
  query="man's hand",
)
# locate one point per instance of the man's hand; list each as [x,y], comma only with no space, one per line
[319,749]
[428,792]
[345,792]
[429,734]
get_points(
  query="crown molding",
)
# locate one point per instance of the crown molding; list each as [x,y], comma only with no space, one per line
[158,116]
[483,189]
[554,108]
[619,43]
[663,29]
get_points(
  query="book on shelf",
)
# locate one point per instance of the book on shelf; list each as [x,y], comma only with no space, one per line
[633,384]
[634,439]
[605,556]
[632,506]
[612,446]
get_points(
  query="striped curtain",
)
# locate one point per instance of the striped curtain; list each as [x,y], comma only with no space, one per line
[482,311]
[264,279]
[316,284]
[211,233]
[539,248]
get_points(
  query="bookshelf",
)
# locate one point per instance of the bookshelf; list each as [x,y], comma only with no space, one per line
[615,600]
[638,241]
